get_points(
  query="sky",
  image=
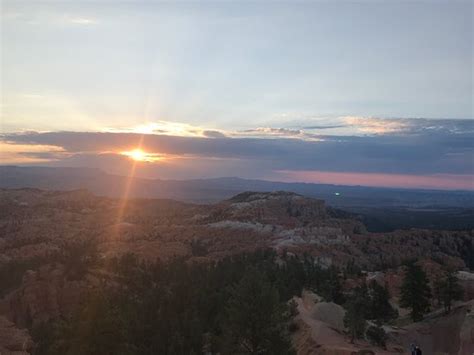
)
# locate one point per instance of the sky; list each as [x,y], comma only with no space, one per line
[376,93]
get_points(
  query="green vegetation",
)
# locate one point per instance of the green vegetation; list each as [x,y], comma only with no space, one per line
[255,320]
[388,219]
[78,257]
[239,305]
[376,335]
[368,303]
[331,288]
[415,292]
[11,273]
[447,290]
[354,319]
[378,305]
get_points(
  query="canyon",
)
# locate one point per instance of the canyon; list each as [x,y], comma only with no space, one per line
[42,233]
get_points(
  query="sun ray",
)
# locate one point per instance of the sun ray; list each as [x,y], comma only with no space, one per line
[128,185]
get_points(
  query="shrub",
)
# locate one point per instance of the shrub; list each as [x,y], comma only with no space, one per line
[376,335]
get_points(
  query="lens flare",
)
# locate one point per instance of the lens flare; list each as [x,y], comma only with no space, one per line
[140,155]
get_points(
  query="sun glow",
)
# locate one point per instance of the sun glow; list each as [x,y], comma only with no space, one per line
[141,156]
[138,154]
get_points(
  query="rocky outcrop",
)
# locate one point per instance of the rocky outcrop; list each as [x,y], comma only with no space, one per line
[466,280]
[466,334]
[13,341]
[291,220]
[382,250]
[440,333]
[393,278]
[274,208]
[35,224]
[320,330]
[330,313]
[44,294]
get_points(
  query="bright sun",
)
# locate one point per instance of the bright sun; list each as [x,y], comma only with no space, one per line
[136,154]
[142,156]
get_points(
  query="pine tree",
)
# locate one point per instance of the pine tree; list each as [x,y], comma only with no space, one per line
[438,285]
[331,289]
[256,321]
[354,319]
[450,290]
[380,307]
[415,292]
[377,336]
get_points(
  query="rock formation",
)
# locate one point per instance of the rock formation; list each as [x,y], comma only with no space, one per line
[37,228]
[13,341]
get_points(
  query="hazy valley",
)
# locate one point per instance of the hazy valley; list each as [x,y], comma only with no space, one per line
[381,209]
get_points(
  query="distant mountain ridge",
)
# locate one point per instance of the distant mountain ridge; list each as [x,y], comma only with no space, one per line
[217,189]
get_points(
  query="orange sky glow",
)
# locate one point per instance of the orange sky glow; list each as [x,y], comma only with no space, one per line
[435,181]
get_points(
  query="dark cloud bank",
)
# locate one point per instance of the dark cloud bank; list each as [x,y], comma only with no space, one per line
[421,147]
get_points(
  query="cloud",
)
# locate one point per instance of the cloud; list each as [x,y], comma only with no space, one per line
[376,125]
[170,129]
[410,148]
[267,132]
[41,14]
[81,20]
[324,127]
[428,126]
[213,134]
[27,153]
[357,125]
